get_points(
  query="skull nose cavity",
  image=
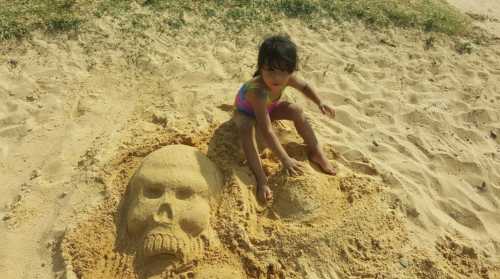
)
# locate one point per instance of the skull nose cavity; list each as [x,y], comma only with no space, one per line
[164,214]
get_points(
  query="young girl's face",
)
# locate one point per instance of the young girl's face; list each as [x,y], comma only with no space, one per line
[274,79]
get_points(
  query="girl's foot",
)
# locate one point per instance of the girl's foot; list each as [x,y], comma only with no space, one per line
[319,158]
[264,193]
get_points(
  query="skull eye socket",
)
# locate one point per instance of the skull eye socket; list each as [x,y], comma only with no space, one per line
[152,192]
[184,194]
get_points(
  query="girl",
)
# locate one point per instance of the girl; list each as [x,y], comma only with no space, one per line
[257,104]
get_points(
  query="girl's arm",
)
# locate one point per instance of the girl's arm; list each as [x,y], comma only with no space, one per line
[310,93]
[304,88]
[264,124]
[290,165]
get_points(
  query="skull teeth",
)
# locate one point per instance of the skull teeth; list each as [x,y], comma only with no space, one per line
[179,245]
[165,241]
[149,246]
[159,243]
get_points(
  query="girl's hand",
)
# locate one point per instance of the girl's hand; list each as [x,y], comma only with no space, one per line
[327,110]
[293,167]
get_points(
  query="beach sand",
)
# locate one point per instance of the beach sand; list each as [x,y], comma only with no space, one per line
[416,141]
[485,13]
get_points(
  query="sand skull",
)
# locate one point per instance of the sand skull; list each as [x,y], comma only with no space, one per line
[168,201]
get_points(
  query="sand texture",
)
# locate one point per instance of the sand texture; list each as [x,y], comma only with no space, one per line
[416,141]
[485,13]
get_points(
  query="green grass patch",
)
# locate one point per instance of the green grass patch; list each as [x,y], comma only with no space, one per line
[19,17]
[428,15]
[111,7]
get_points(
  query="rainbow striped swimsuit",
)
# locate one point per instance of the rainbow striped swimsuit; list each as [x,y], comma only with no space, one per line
[248,92]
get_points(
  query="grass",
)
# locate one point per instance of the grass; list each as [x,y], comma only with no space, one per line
[20,17]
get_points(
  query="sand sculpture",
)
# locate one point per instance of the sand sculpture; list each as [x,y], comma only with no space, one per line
[167,206]
[174,221]
[165,229]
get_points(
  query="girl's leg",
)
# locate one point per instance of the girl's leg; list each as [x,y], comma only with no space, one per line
[289,111]
[246,129]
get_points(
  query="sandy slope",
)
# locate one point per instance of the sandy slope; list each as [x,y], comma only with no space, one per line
[484,8]
[420,126]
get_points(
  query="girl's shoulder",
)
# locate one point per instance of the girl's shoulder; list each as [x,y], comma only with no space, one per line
[253,83]
[255,87]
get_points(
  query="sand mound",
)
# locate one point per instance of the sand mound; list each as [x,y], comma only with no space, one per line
[317,227]
[302,197]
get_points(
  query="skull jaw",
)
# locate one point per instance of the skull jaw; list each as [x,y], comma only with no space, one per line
[164,253]
[160,243]
[174,246]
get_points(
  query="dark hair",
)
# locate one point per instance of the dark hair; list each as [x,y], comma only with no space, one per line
[278,52]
